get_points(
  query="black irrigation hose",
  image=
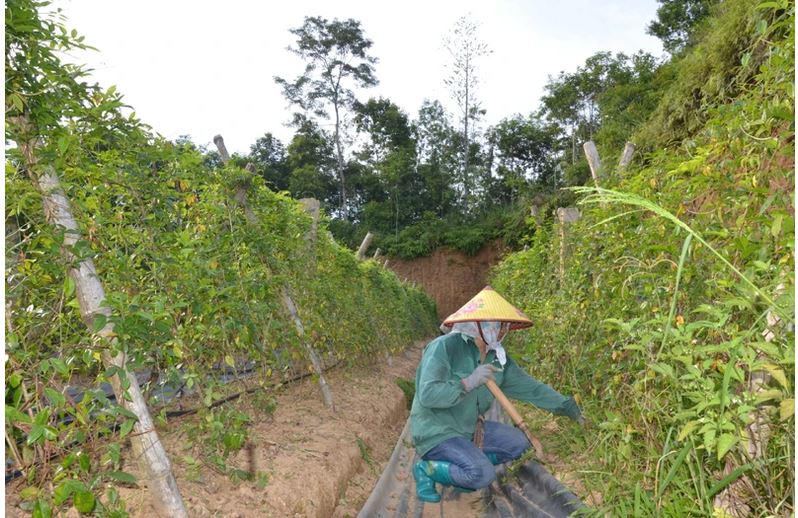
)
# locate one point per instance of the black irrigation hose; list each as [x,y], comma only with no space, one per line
[178,413]
[298,377]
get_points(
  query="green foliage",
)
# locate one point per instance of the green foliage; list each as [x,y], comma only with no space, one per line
[409,389]
[336,60]
[192,284]
[678,291]
[218,433]
[365,454]
[713,74]
[678,21]
[603,100]
[422,238]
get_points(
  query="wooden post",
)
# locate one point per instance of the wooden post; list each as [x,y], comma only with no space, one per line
[288,302]
[219,142]
[90,293]
[593,160]
[385,264]
[732,498]
[626,156]
[565,215]
[377,254]
[312,207]
[326,392]
[364,246]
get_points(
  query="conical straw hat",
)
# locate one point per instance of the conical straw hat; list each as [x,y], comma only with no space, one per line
[487,305]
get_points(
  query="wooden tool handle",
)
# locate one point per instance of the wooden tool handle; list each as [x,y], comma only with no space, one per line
[504,402]
[516,417]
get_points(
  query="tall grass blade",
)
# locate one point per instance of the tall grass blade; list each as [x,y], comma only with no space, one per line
[601,195]
[728,479]
[672,313]
[672,472]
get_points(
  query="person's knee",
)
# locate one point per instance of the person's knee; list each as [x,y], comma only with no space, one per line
[479,475]
[518,445]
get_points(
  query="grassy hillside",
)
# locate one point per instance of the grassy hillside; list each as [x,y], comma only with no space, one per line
[674,320]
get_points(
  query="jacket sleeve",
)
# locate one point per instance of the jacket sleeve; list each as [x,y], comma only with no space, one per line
[517,384]
[438,387]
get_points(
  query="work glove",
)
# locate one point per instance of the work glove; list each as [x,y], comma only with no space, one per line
[479,377]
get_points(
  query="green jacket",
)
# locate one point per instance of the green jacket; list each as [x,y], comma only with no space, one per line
[442,409]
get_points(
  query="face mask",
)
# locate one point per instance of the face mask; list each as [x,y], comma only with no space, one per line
[492,333]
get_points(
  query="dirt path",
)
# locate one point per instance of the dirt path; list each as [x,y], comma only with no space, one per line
[319,464]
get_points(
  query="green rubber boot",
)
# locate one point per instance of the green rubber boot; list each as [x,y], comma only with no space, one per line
[426,473]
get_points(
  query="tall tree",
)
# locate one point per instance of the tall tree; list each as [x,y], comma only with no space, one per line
[465,49]
[611,93]
[677,20]
[335,53]
[524,149]
[391,153]
[311,164]
[437,144]
[268,155]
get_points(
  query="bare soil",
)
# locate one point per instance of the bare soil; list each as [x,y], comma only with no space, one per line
[319,463]
[450,277]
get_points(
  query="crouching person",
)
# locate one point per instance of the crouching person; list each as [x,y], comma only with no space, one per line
[456,445]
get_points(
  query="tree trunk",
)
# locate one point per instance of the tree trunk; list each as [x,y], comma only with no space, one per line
[573,146]
[340,160]
[466,179]
[146,445]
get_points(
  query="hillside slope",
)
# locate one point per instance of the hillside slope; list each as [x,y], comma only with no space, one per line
[682,351]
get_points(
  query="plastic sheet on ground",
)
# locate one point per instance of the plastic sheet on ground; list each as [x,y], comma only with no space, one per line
[531,492]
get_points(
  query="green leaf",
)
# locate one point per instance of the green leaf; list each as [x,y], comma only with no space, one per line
[689,427]
[66,489]
[99,322]
[59,366]
[777,373]
[69,287]
[126,427]
[14,380]
[787,409]
[228,359]
[42,509]
[36,433]
[29,493]
[725,443]
[85,462]
[775,229]
[13,415]
[84,501]
[55,397]
[121,476]
[63,145]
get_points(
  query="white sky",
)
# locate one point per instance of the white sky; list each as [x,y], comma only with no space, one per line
[202,68]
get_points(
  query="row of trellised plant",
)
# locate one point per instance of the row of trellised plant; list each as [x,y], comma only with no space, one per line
[191,282]
[674,320]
